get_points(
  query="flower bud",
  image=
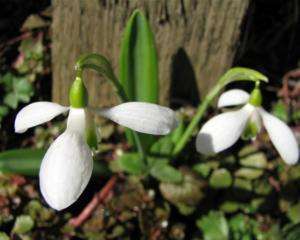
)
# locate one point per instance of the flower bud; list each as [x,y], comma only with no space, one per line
[256,97]
[78,95]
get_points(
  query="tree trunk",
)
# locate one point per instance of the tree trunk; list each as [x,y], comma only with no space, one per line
[196,42]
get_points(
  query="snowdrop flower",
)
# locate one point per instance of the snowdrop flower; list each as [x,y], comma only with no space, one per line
[67,165]
[223,130]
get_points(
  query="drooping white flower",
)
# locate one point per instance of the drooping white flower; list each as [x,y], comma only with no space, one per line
[223,130]
[67,165]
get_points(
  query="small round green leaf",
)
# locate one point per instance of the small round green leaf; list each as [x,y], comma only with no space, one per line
[220,178]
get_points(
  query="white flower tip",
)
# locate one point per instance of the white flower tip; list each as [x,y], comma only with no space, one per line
[37,113]
[65,170]
[291,157]
[143,117]
[18,129]
[222,131]
[233,97]
[204,144]
[292,161]
[282,137]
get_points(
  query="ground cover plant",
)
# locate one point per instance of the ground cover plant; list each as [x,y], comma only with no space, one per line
[171,174]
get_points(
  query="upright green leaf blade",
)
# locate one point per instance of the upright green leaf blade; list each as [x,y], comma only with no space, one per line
[138,65]
[138,60]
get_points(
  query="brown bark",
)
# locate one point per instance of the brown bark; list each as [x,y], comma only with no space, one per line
[205,31]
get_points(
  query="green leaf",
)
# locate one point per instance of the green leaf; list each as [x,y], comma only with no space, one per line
[296,115]
[240,226]
[280,110]
[28,161]
[256,160]
[18,89]
[178,132]
[163,146]
[291,232]
[7,81]
[131,163]
[3,112]
[11,100]
[138,60]
[3,236]
[186,194]
[249,173]
[139,65]
[243,184]
[294,213]
[203,169]
[230,207]
[214,226]
[23,224]
[220,178]
[162,171]
[262,187]
[241,74]
[22,161]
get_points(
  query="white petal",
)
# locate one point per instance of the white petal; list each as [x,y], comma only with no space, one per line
[143,117]
[233,97]
[65,170]
[37,113]
[223,130]
[282,137]
[77,120]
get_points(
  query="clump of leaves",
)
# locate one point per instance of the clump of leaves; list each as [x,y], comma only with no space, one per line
[22,215]
[18,78]
[130,211]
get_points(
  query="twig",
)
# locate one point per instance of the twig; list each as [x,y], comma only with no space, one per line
[274,183]
[97,199]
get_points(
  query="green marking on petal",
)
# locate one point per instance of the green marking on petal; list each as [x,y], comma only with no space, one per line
[250,131]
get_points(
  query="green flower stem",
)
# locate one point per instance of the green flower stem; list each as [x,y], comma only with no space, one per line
[111,77]
[103,67]
[200,112]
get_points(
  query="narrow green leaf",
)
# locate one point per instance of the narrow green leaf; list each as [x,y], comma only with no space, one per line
[23,161]
[28,161]
[178,132]
[138,60]
[138,65]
